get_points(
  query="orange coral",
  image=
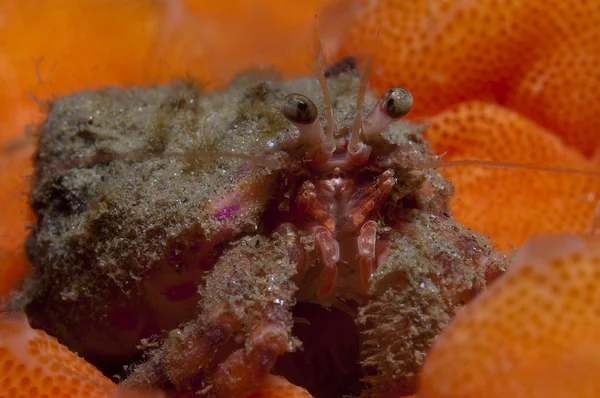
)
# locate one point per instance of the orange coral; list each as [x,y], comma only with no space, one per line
[15,214]
[277,386]
[533,333]
[524,202]
[447,51]
[444,51]
[559,89]
[34,363]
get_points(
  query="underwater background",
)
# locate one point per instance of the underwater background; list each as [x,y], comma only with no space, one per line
[515,82]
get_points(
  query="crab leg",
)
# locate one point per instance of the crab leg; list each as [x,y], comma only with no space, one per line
[294,248]
[250,292]
[330,253]
[366,249]
[307,199]
[370,198]
[245,369]
[196,345]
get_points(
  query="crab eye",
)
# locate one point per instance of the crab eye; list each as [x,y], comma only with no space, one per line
[299,109]
[399,102]
[392,106]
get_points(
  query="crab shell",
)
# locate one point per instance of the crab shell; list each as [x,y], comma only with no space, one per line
[137,223]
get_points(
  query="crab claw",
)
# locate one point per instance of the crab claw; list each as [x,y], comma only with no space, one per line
[330,254]
[250,297]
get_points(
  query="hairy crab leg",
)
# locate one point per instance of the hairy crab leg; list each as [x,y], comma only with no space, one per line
[157,370]
[250,293]
[245,369]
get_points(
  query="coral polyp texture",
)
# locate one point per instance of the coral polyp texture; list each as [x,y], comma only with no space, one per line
[476,130]
[536,56]
[33,364]
[534,333]
[208,239]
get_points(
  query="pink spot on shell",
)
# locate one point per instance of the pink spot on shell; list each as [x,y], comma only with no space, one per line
[180,292]
[226,212]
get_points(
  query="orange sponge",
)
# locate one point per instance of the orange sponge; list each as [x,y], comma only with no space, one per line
[561,89]
[33,363]
[512,203]
[533,333]
[277,386]
[447,51]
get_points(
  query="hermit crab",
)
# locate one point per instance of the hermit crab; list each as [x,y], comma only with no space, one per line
[205,240]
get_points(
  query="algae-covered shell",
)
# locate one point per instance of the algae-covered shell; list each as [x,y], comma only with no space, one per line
[125,188]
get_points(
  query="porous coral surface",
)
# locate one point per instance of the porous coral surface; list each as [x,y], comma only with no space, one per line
[534,333]
[35,364]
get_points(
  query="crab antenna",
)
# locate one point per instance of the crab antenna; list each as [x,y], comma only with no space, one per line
[328,143]
[355,144]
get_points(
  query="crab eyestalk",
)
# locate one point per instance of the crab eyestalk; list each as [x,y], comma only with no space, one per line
[391,107]
[303,114]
